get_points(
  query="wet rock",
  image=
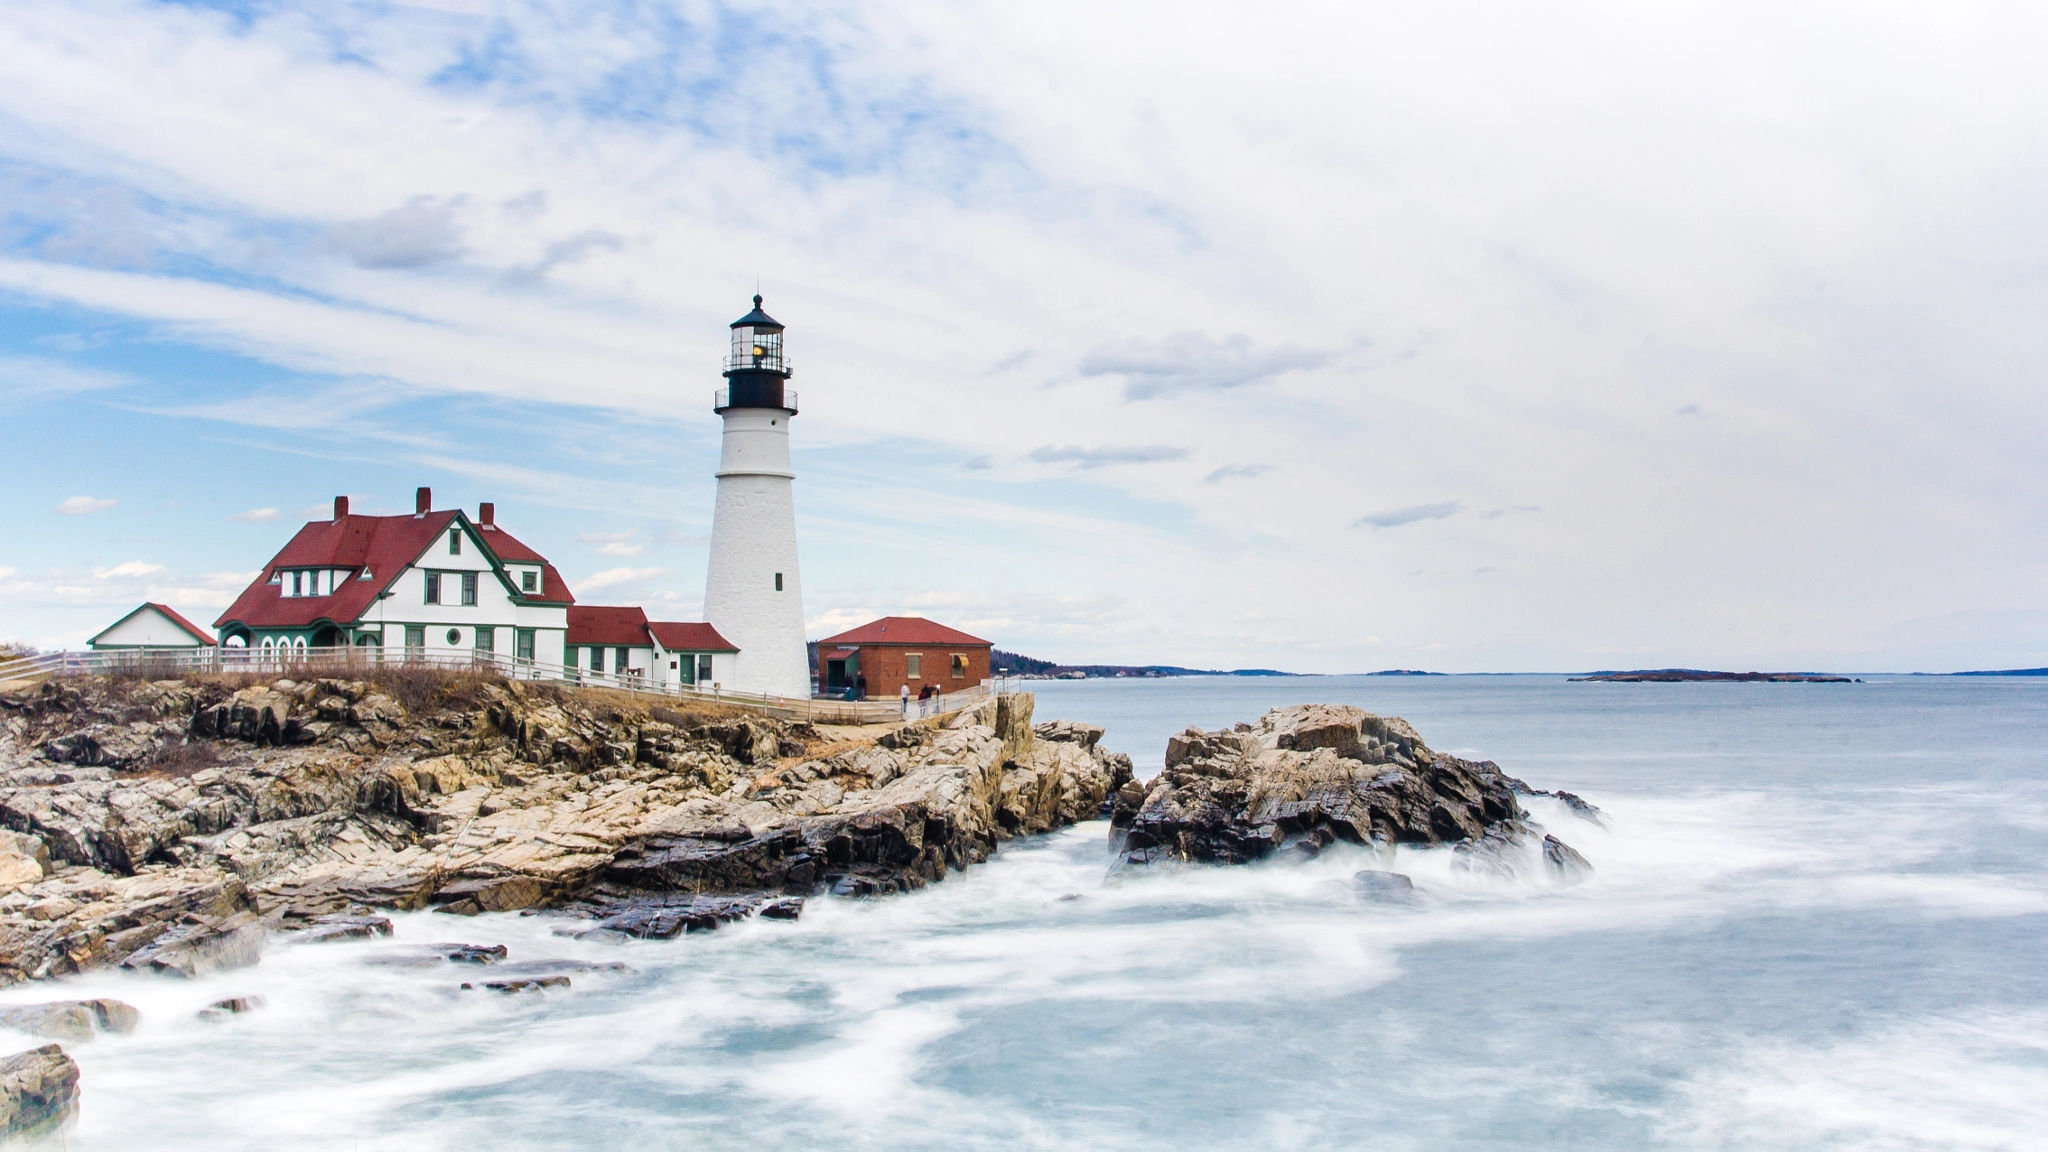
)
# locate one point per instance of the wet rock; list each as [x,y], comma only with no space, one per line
[70,1020]
[331,928]
[1304,778]
[528,969]
[38,1092]
[1491,857]
[664,918]
[200,945]
[232,1006]
[1382,887]
[535,984]
[1564,862]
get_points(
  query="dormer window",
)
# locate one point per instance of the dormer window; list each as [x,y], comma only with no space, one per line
[529,581]
[298,583]
[455,541]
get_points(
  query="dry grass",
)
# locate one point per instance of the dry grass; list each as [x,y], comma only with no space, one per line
[181,760]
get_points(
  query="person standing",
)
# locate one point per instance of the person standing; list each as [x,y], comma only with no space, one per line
[904,694]
[860,686]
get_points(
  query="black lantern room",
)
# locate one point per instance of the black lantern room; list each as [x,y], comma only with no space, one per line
[756,371]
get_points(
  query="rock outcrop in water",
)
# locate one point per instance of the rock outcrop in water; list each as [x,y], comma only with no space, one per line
[173,825]
[1305,777]
[38,1092]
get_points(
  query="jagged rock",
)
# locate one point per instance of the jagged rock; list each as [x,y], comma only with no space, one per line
[38,1092]
[1383,887]
[435,955]
[200,945]
[1305,777]
[1564,862]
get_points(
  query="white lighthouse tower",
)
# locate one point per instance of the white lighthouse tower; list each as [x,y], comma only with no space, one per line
[752,594]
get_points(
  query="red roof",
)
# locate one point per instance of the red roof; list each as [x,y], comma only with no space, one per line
[383,544]
[677,636]
[905,630]
[593,624]
[164,610]
[171,614]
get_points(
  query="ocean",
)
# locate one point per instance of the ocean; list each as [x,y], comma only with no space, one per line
[1816,920]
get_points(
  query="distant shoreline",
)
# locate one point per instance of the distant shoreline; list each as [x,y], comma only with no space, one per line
[1696,675]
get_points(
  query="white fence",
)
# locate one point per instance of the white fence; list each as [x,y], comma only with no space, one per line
[348,663]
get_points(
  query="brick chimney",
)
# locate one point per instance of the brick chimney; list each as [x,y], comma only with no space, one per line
[340,507]
[423,502]
[487,515]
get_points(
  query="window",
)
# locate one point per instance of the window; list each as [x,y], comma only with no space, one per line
[597,659]
[469,589]
[703,669]
[619,664]
[487,639]
[529,581]
[298,583]
[455,637]
[433,587]
[959,666]
[778,581]
[415,637]
[913,665]
[455,541]
[524,640]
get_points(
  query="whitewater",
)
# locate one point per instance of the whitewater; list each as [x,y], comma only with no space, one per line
[1816,921]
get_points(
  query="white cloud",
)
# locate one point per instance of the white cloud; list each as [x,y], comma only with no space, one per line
[612,577]
[255,516]
[1106,455]
[85,505]
[22,377]
[1189,361]
[623,551]
[420,232]
[1395,517]
[129,568]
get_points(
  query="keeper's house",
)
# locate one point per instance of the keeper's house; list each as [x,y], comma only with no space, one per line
[431,582]
[624,642]
[151,626]
[896,651]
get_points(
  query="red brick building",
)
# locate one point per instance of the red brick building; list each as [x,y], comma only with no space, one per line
[899,650]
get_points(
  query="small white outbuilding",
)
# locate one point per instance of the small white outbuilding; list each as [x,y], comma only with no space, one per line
[150,626]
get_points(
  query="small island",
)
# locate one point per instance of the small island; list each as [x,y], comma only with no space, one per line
[1690,675]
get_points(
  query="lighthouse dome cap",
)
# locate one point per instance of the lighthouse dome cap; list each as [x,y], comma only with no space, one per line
[757,318]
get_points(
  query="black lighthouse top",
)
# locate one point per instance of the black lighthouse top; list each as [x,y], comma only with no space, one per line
[756,371]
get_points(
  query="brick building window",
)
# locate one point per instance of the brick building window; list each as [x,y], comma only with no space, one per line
[959,666]
[913,665]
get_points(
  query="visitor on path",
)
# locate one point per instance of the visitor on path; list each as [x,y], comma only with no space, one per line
[904,692]
[860,686]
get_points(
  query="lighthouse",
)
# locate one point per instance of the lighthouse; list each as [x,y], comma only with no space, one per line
[752,593]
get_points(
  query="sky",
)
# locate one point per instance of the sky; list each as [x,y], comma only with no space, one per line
[1322,337]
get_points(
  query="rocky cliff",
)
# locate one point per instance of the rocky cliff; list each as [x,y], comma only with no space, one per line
[175,824]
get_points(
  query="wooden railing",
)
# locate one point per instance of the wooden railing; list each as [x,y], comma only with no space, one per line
[345,663]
